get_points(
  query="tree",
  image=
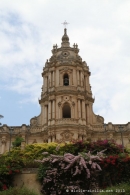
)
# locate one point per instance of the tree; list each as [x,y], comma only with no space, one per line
[17,142]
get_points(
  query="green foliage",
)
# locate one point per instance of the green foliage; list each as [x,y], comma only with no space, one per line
[115,162]
[17,142]
[42,171]
[18,191]
[120,189]
[8,168]
[34,151]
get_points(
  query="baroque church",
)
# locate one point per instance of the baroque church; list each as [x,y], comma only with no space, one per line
[66,106]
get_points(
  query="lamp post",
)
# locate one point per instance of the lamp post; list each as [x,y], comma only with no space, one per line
[121,132]
[10,133]
[0,118]
[105,131]
[27,133]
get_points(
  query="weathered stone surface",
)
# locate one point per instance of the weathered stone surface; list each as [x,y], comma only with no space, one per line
[28,178]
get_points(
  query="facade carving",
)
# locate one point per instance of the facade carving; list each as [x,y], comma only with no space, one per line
[66,105]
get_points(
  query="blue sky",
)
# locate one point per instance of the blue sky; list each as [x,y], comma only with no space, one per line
[28,30]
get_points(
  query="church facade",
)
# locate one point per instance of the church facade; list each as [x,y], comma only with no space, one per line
[66,105]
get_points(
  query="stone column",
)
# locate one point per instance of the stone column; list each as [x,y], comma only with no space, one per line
[88,85]
[84,137]
[86,82]
[83,109]
[70,79]
[72,111]
[87,113]
[81,78]
[74,77]
[45,84]
[53,78]
[80,137]
[59,110]
[49,111]
[57,83]
[45,114]
[49,79]
[3,144]
[53,136]
[90,113]
[53,109]
[79,108]
[61,79]
[49,139]
[77,77]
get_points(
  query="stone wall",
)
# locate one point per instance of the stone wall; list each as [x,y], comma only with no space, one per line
[28,178]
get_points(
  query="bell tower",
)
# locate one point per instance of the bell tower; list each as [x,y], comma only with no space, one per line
[66,98]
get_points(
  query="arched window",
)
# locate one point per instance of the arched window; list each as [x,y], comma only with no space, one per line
[66,111]
[66,79]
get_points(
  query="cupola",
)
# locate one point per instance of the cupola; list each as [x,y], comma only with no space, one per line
[65,39]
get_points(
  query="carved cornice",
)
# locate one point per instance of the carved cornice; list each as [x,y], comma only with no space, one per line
[65,92]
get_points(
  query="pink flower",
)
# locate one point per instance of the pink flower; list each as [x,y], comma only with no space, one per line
[10,172]
[5,187]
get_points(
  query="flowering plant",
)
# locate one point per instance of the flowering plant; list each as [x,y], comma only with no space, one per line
[8,168]
[115,169]
[70,172]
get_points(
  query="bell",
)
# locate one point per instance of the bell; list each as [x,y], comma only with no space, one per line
[66,81]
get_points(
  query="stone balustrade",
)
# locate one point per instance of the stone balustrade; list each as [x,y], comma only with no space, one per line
[66,121]
[65,88]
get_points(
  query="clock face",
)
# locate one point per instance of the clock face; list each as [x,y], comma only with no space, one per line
[65,53]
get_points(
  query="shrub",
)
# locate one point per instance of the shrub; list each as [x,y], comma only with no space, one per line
[8,168]
[18,191]
[13,162]
[112,147]
[17,142]
[115,169]
[34,151]
[62,173]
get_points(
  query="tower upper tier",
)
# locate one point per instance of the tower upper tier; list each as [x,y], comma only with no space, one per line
[65,53]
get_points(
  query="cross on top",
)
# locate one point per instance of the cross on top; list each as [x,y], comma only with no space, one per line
[65,23]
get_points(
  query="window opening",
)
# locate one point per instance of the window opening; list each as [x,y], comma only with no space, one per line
[66,79]
[66,111]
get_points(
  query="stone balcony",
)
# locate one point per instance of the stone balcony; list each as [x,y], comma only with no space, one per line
[66,121]
[66,88]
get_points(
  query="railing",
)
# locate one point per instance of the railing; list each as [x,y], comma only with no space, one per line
[68,87]
[66,121]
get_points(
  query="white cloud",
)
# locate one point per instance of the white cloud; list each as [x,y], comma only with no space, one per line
[28,29]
